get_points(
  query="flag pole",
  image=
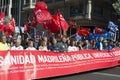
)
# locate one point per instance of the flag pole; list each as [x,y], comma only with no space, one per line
[2,6]
[19,14]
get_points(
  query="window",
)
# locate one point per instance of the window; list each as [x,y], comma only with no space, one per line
[59,0]
[48,1]
[98,11]
[76,10]
[52,11]
[27,1]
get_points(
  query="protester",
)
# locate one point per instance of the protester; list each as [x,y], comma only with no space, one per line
[100,44]
[63,46]
[93,44]
[30,45]
[43,46]
[54,45]
[72,46]
[112,44]
[17,46]
[37,42]
[86,45]
[3,44]
[105,45]
[79,45]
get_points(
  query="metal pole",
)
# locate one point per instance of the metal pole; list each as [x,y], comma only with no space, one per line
[2,6]
[19,13]
[5,5]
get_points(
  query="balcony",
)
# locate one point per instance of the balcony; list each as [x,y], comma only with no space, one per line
[29,4]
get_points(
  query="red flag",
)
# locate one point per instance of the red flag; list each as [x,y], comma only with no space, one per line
[64,25]
[2,16]
[26,28]
[46,24]
[12,25]
[41,5]
[52,25]
[84,32]
[7,30]
[99,30]
[42,15]
[34,22]
[73,23]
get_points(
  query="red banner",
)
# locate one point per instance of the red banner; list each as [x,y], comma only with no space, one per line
[27,65]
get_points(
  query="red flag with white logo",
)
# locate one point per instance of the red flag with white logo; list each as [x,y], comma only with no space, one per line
[64,25]
[42,15]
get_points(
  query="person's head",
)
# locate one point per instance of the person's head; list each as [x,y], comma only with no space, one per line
[111,42]
[105,43]
[93,41]
[54,41]
[37,38]
[30,43]
[100,39]
[45,38]
[18,43]
[72,42]
[14,39]
[64,39]
[4,39]
[43,43]
[86,42]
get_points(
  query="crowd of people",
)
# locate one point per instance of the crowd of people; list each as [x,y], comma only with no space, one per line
[63,44]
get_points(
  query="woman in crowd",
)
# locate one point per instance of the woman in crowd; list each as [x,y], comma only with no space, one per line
[86,44]
[93,44]
[72,46]
[30,45]
[79,45]
[43,46]
[17,46]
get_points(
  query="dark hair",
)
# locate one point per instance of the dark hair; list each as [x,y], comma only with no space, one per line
[71,42]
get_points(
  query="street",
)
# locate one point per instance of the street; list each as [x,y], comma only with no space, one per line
[104,74]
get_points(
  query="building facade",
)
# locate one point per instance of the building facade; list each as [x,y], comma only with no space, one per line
[5,6]
[88,13]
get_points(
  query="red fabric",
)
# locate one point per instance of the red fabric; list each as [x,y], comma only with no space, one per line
[34,22]
[42,15]
[7,30]
[41,5]
[28,65]
[52,25]
[12,25]
[2,16]
[46,24]
[72,23]
[83,31]
[26,28]
[64,25]
[99,30]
